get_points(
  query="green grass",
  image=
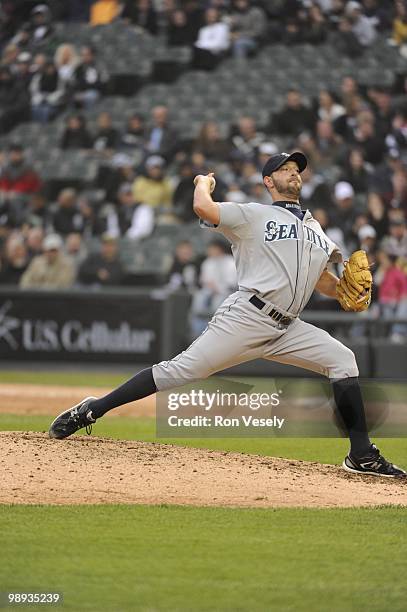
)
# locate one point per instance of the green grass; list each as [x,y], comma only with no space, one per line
[182,558]
[324,450]
[68,378]
[297,387]
[176,559]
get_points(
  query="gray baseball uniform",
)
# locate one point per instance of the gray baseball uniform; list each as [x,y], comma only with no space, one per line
[279,258]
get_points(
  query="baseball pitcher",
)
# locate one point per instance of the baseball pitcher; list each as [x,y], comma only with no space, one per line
[281,255]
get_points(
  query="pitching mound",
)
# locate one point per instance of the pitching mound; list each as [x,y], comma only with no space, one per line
[92,470]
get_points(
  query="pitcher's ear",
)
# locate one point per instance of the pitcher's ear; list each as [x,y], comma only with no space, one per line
[268,182]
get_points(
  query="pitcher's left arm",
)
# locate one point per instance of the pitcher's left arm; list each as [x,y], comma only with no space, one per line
[327,284]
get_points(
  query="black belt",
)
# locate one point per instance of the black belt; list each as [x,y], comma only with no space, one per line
[274,314]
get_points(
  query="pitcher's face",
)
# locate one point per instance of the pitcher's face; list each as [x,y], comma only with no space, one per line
[287,179]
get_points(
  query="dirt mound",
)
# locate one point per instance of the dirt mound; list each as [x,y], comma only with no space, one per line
[88,470]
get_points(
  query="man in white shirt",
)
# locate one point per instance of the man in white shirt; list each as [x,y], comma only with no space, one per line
[218,278]
[132,220]
[213,39]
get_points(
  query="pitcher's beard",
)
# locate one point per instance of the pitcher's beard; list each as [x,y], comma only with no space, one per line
[291,190]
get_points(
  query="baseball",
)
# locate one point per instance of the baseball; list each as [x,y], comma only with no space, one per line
[212,183]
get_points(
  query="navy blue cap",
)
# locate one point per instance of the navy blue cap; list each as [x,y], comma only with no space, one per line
[276,161]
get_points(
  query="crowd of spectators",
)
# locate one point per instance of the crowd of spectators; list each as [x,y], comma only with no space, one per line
[355,140]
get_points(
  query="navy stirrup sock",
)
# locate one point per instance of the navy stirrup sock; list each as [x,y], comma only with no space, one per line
[349,406]
[139,386]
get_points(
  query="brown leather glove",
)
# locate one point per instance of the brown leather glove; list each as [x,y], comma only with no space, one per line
[354,288]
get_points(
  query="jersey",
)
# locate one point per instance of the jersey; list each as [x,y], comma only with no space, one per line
[277,255]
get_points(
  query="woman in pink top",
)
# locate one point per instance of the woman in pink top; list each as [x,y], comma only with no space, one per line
[393,292]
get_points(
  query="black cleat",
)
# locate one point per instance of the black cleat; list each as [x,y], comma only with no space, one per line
[372,463]
[73,419]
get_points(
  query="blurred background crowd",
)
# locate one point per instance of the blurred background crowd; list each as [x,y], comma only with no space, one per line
[109,109]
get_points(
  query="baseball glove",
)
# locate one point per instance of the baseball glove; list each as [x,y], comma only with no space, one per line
[354,288]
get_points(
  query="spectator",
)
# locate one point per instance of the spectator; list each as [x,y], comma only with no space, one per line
[377,215]
[266,150]
[184,194]
[210,143]
[329,144]
[382,108]
[23,37]
[218,278]
[47,93]
[40,25]
[357,171]
[51,270]
[345,124]
[367,238]
[294,118]
[389,180]
[315,192]
[399,185]
[344,214]
[154,189]
[134,219]
[66,60]
[9,56]
[349,88]
[34,240]
[89,79]
[161,139]
[396,242]
[292,32]
[397,135]
[333,232]
[38,62]
[400,23]
[36,213]
[106,137]
[366,138]
[184,271]
[15,261]
[328,108]
[14,101]
[345,41]
[212,42]
[103,12]
[325,149]
[236,194]
[380,13]
[98,217]
[22,71]
[66,217]
[316,27]
[18,177]
[75,248]
[76,135]
[392,282]
[103,268]
[195,12]
[141,13]
[121,171]
[179,32]
[362,27]
[247,24]
[247,140]
[255,190]
[133,136]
